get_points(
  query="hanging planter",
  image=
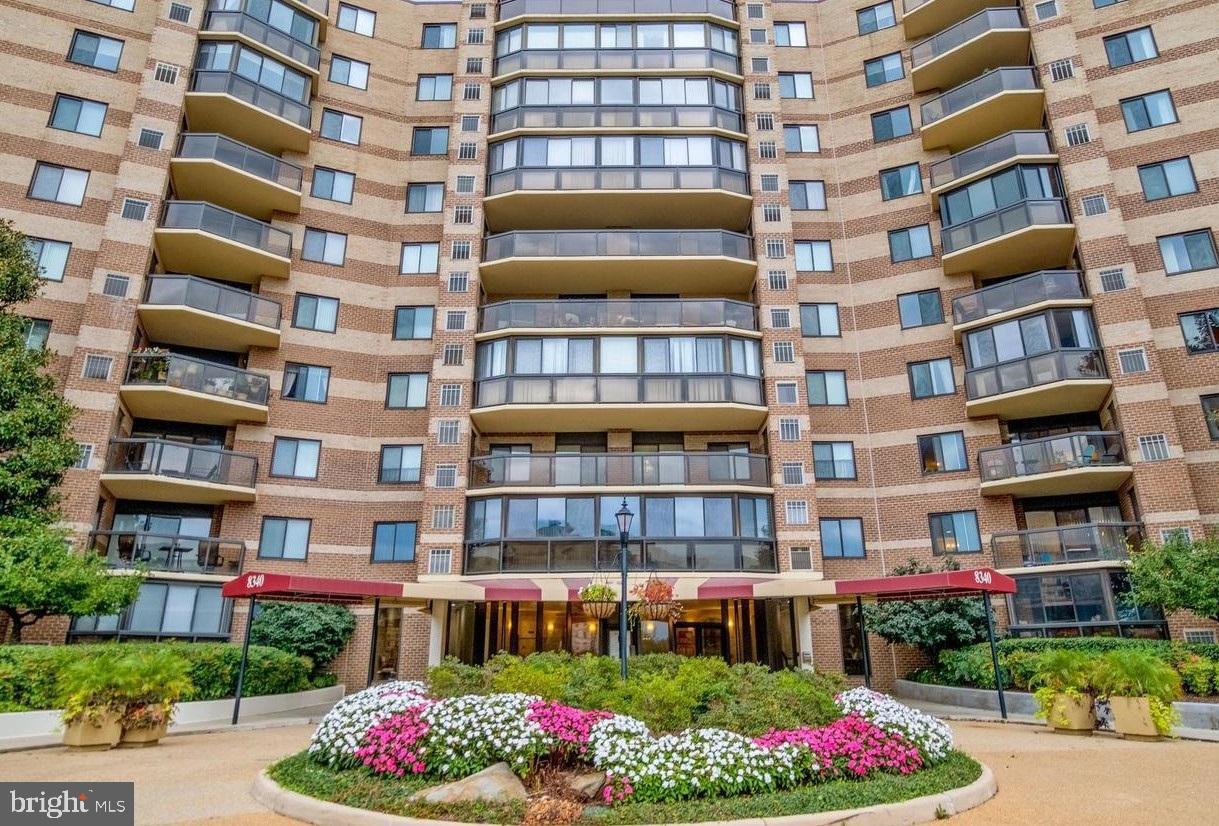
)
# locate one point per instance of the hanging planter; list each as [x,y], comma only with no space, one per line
[655,600]
[599,600]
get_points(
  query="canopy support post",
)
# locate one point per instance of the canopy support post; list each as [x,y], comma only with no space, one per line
[863,639]
[245,660]
[994,655]
[372,648]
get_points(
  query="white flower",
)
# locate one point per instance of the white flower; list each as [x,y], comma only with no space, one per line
[342,730]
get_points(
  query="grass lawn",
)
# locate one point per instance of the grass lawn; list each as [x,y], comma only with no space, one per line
[355,787]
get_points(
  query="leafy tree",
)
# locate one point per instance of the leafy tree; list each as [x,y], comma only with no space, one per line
[314,630]
[1180,575]
[931,625]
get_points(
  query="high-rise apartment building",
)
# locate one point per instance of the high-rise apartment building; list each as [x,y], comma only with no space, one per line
[421,292]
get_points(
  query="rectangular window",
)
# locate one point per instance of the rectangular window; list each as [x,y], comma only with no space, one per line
[166,73]
[826,388]
[443,517]
[892,123]
[393,541]
[453,355]
[134,209]
[842,538]
[459,282]
[1132,360]
[955,533]
[761,65]
[920,309]
[51,257]
[430,140]
[471,91]
[333,185]
[786,392]
[1149,111]
[73,114]
[465,184]
[460,251]
[467,151]
[808,195]
[315,312]
[96,367]
[400,464]
[798,85]
[1130,47]
[296,458]
[116,286]
[801,558]
[1077,134]
[323,246]
[474,65]
[789,430]
[1112,280]
[833,460]
[801,138]
[931,378]
[284,538]
[777,279]
[790,34]
[1167,179]
[1046,10]
[341,127]
[885,69]
[1154,448]
[446,476]
[476,37]
[406,391]
[455,320]
[1187,251]
[412,323]
[440,561]
[1210,413]
[178,12]
[450,395]
[909,244]
[61,184]
[776,249]
[124,5]
[478,11]
[469,123]
[814,256]
[439,36]
[900,181]
[754,11]
[784,352]
[355,19]
[151,138]
[796,512]
[772,213]
[420,259]
[943,452]
[448,432]
[757,36]
[37,331]
[434,87]
[1094,204]
[84,456]
[1061,70]
[305,383]
[1202,635]
[874,18]
[424,197]
[93,50]
[793,473]
[349,72]
[819,320]
[761,91]
[1201,331]
[780,319]
[768,150]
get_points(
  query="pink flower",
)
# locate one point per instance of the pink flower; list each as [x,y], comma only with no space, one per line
[392,746]
[850,747]
[570,726]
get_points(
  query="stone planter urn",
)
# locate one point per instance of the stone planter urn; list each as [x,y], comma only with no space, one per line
[1072,715]
[1132,718]
[136,738]
[93,735]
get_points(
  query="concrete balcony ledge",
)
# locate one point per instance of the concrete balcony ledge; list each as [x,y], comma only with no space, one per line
[1002,100]
[992,37]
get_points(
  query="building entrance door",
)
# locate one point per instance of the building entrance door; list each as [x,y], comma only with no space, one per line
[701,639]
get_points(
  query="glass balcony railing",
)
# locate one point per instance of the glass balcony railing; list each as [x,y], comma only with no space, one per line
[175,460]
[236,22]
[169,552]
[509,9]
[235,154]
[521,556]
[189,373]
[226,224]
[624,312]
[619,469]
[617,178]
[231,83]
[984,21]
[616,59]
[994,82]
[1047,285]
[985,155]
[619,389]
[588,117]
[1072,543]
[1018,216]
[210,297]
[1071,451]
[1031,371]
[617,243]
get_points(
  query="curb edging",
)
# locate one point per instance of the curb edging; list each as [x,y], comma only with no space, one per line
[906,813]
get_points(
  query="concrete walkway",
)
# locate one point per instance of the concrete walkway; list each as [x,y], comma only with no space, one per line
[1044,778]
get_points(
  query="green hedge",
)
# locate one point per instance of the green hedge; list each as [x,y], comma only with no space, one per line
[28,673]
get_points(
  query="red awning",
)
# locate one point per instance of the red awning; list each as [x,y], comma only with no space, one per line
[292,587]
[938,585]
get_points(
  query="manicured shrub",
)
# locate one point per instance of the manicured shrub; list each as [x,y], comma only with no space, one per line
[453,678]
[1198,675]
[308,629]
[542,674]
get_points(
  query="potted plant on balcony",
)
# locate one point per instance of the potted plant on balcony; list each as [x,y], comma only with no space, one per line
[655,600]
[1062,683]
[1140,688]
[599,600]
[151,365]
[152,684]
[89,689]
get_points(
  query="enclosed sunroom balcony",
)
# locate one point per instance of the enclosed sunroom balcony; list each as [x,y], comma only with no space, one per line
[1066,545]
[511,11]
[593,314]
[999,302]
[227,20]
[677,470]
[985,159]
[222,101]
[1047,384]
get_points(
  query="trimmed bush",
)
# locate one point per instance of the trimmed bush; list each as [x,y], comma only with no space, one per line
[307,629]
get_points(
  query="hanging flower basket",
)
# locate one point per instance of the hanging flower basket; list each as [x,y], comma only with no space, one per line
[599,600]
[599,608]
[659,611]
[655,600]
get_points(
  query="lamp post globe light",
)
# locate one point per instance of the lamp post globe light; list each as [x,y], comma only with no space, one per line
[624,517]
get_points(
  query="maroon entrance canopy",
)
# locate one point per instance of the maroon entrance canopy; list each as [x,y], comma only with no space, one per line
[292,587]
[938,585]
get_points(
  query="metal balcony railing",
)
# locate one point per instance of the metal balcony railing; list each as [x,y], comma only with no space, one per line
[225,150]
[175,460]
[1070,451]
[210,297]
[996,150]
[617,243]
[619,389]
[1046,285]
[1032,371]
[571,178]
[169,552]
[231,83]
[950,38]
[226,224]
[682,554]
[520,8]
[588,117]
[994,82]
[189,373]
[237,22]
[619,469]
[1073,543]
[616,59]
[992,225]
[623,312]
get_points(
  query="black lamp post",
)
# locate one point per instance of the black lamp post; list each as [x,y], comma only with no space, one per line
[624,517]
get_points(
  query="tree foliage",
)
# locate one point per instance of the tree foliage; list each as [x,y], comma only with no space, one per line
[931,625]
[313,630]
[1180,575]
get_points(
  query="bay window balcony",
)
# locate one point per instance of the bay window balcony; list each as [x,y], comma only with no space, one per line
[593,313]
[1065,545]
[222,171]
[290,33]
[1070,464]
[1081,603]
[177,388]
[992,37]
[178,553]
[1000,301]
[681,469]
[202,238]
[921,18]
[157,470]
[730,532]
[195,312]
[1022,146]
[1002,100]
[512,9]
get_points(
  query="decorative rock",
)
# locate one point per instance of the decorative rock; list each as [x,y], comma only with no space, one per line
[586,786]
[494,784]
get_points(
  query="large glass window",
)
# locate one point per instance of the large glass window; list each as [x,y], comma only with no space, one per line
[1029,336]
[253,66]
[819,320]
[164,608]
[394,541]
[400,464]
[931,378]
[284,538]
[877,17]
[826,387]
[807,194]
[892,123]
[295,458]
[943,452]
[413,322]
[607,150]
[909,243]
[842,538]
[305,382]
[1188,251]
[1130,47]
[610,355]
[1019,183]
[1167,179]
[884,69]
[1149,111]
[585,36]
[50,256]
[406,390]
[1201,330]
[955,533]
[94,50]
[920,309]
[900,181]
[712,517]
[315,312]
[833,460]
[74,114]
